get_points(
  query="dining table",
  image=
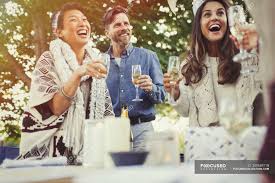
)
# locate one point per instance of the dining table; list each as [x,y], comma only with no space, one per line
[183,173]
[200,144]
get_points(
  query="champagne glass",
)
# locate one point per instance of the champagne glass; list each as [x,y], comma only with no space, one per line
[106,61]
[136,72]
[234,117]
[237,21]
[250,67]
[174,72]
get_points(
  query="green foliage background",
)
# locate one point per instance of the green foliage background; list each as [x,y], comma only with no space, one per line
[25,33]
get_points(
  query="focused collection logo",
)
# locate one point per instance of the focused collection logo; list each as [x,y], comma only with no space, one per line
[213,166]
[234,167]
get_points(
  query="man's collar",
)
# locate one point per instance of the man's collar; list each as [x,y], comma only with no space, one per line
[127,51]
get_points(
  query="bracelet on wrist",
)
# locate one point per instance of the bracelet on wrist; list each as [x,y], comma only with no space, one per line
[70,98]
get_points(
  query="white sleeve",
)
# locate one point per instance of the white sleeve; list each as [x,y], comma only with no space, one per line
[182,104]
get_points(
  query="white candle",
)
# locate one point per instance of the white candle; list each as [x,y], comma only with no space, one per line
[94,143]
[117,137]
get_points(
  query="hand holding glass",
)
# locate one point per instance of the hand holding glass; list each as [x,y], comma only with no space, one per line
[136,73]
[105,58]
[174,72]
[237,21]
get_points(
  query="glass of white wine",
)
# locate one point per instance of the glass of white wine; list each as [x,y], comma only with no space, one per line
[136,73]
[234,117]
[174,72]
[237,21]
[106,61]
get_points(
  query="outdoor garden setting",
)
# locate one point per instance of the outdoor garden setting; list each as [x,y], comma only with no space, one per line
[25,32]
[137,90]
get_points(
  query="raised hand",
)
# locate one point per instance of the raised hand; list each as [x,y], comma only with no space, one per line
[250,38]
[167,85]
[95,69]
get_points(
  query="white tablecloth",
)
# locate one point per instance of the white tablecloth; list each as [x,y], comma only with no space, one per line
[216,143]
[139,174]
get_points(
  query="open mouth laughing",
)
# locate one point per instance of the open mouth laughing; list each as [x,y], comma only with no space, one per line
[214,28]
[82,32]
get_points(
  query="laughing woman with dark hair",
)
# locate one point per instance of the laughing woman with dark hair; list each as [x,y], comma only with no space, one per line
[209,73]
[67,88]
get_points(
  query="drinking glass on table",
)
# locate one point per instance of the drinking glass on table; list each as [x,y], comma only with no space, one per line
[136,73]
[163,147]
[234,118]
[237,22]
[174,72]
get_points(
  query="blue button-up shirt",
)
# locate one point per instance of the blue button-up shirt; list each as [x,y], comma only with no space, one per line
[121,88]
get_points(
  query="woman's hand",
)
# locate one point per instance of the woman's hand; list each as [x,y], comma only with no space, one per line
[166,82]
[95,69]
[168,86]
[250,38]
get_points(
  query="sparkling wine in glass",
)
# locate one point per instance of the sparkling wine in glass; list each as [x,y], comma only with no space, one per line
[135,78]
[237,21]
[250,66]
[234,118]
[174,72]
[136,73]
[106,61]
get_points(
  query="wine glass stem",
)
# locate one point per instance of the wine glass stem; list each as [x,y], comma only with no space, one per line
[172,93]
[242,50]
[137,92]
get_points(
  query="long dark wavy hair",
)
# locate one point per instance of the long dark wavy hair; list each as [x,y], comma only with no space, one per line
[195,69]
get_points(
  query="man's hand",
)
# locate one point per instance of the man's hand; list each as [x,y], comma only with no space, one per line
[145,83]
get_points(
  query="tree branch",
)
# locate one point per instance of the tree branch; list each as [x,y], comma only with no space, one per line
[39,27]
[14,67]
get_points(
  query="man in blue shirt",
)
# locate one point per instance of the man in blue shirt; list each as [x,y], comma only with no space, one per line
[122,91]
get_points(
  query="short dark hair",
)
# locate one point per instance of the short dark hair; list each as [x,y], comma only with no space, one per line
[67,7]
[110,14]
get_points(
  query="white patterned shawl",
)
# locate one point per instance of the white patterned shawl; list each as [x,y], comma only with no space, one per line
[53,69]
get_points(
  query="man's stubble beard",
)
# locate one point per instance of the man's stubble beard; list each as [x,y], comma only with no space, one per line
[121,43]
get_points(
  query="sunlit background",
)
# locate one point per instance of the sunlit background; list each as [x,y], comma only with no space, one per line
[25,32]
